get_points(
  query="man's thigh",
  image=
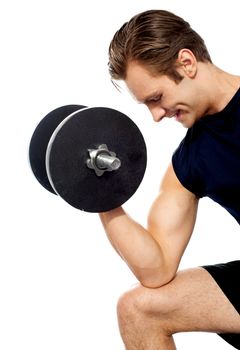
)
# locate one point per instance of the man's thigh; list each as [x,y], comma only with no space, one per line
[192,301]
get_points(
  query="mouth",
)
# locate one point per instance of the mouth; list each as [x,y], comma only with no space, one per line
[176,115]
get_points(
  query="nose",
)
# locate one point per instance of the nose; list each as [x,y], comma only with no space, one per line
[157,113]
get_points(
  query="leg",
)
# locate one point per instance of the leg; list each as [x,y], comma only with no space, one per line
[192,301]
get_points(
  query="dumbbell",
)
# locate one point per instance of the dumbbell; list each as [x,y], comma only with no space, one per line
[92,157]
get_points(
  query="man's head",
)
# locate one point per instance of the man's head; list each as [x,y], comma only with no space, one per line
[165,65]
[153,39]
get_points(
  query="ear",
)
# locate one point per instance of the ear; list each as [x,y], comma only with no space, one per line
[187,63]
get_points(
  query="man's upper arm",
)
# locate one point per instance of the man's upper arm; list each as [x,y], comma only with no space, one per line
[172,218]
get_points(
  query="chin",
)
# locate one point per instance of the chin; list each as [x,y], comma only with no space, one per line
[187,125]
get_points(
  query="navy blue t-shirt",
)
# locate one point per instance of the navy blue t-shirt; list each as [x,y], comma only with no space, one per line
[207,161]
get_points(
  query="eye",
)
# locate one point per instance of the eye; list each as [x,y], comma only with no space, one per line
[155,99]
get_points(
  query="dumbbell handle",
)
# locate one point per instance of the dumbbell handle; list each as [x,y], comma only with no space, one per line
[101,160]
[105,161]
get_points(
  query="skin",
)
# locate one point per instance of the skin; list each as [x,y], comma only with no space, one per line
[156,309]
[204,89]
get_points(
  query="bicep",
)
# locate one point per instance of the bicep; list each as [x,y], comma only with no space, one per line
[171,219]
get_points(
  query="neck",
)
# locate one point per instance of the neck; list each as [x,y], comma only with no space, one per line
[221,86]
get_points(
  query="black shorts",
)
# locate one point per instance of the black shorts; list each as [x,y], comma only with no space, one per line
[227,277]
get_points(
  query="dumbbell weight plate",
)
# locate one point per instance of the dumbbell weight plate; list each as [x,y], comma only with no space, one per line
[40,139]
[67,155]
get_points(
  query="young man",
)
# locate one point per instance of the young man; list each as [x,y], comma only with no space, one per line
[165,65]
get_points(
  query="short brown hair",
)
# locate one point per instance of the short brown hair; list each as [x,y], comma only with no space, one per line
[154,38]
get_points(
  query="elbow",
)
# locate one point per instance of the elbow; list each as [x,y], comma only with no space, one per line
[155,284]
[157,280]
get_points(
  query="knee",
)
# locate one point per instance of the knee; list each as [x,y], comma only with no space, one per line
[130,313]
[141,303]
[128,305]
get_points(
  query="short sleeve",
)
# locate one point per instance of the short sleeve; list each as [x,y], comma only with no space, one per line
[184,161]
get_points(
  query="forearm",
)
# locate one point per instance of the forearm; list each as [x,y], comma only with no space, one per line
[136,246]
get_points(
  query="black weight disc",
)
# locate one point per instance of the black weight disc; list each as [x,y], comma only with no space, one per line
[67,154]
[40,139]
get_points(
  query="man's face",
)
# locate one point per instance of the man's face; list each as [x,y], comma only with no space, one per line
[165,98]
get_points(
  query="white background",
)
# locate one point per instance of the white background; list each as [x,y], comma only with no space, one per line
[59,277]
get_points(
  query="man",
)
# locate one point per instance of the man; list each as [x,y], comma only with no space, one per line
[165,65]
